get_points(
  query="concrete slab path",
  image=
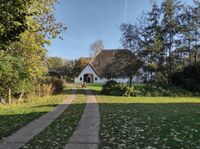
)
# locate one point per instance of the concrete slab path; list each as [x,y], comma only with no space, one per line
[87,134]
[23,135]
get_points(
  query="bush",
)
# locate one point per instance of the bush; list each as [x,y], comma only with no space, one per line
[109,87]
[116,89]
[58,86]
[153,90]
[189,78]
[49,86]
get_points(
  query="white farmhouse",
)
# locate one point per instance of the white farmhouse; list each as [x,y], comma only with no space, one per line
[103,66]
[89,75]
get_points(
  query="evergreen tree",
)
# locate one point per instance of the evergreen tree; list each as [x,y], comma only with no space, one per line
[170,27]
[184,45]
[153,42]
[196,30]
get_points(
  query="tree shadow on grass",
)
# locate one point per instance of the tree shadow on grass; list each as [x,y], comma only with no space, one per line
[133,119]
[82,92]
[47,106]
[66,91]
[138,125]
[11,123]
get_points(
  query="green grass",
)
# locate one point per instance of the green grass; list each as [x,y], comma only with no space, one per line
[149,122]
[95,87]
[57,133]
[15,116]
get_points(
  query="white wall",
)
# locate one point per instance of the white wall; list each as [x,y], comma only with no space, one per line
[121,80]
[88,70]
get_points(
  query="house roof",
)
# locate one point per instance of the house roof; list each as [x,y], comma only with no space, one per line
[92,69]
[105,58]
[108,53]
[112,63]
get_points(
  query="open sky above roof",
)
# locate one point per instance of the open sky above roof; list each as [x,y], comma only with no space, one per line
[90,20]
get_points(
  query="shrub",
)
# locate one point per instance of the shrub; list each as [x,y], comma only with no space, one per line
[153,90]
[189,78]
[58,86]
[109,87]
[116,89]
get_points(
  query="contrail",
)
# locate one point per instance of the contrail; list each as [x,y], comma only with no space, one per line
[125,9]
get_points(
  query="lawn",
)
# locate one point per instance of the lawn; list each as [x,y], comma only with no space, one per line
[95,87]
[149,122]
[15,116]
[56,135]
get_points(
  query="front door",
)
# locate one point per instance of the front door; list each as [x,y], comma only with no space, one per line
[88,78]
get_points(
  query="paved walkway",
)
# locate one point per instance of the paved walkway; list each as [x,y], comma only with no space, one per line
[87,134]
[26,133]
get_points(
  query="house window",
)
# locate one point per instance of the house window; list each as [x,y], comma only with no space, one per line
[95,78]
[80,78]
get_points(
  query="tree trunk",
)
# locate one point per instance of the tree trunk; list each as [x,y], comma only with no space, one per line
[195,58]
[3,101]
[21,95]
[9,96]
[39,90]
[130,83]
[190,59]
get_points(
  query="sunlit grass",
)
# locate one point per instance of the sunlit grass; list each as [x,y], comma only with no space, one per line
[95,87]
[158,100]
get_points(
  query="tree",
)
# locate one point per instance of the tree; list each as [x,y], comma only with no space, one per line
[196,30]
[25,54]
[80,64]
[166,39]
[63,66]
[9,77]
[20,15]
[130,37]
[152,43]
[96,47]
[127,64]
[13,20]
[170,27]
[70,69]
[55,63]
[184,45]
[28,64]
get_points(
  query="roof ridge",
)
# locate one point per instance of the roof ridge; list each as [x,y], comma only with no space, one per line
[94,70]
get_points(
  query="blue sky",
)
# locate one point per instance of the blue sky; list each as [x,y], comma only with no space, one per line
[91,20]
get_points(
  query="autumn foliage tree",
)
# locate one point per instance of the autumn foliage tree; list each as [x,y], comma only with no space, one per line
[80,64]
[25,27]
